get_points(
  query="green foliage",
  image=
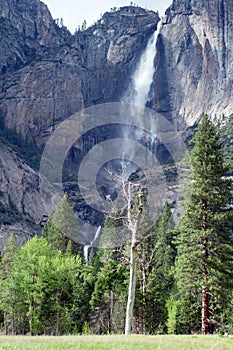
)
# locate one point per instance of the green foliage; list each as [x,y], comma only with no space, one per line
[10,249]
[64,219]
[86,329]
[155,258]
[45,291]
[226,136]
[61,229]
[6,263]
[54,237]
[109,295]
[160,274]
[205,250]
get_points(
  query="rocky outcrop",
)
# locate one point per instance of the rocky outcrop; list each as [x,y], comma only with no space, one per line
[36,98]
[22,209]
[20,187]
[194,60]
[46,75]
[111,51]
[26,29]
[91,67]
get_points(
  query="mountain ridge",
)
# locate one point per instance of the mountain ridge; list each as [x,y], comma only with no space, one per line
[47,74]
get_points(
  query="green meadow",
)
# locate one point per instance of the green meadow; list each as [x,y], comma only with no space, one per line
[119,342]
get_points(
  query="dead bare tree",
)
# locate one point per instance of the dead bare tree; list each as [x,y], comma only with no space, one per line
[133,223]
[132,214]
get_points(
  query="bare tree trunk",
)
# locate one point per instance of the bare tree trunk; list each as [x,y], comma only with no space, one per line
[144,300]
[30,317]
[133,223]
[131,291]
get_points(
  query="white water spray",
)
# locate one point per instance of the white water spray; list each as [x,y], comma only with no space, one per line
[85,252]
[138,93]
[142,78]
[87,247]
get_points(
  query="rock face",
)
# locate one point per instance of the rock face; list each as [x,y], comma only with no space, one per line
[47,74]
[195,60]
[19,184]
[66,72]
[26,29]
[21,206]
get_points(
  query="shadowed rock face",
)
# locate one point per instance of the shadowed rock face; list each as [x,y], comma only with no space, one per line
[26,29]
[47,74]
[195,60]
[54,74]
[21,207]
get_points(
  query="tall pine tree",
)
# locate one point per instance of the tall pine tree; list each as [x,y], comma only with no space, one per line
[204,267]
[161,278]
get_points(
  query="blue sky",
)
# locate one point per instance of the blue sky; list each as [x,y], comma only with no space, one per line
[74,12]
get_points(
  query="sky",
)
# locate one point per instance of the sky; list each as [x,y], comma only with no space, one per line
[74,12]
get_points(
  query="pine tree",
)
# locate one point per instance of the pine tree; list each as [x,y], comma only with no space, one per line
[9,250]
[55,237]
[107,301]
[161,276]
[204,267]
[61,227]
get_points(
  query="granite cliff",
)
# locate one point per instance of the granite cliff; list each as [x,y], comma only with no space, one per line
[47,74]
[68,72]
[195,60]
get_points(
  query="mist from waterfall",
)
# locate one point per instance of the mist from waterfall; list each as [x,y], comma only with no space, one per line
[93,243]
[138,93]
[142,78]
[85,252]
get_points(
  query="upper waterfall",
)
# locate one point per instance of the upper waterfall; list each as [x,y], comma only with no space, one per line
[142,78]
[138,94]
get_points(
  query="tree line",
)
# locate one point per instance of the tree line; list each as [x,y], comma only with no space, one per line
[181,276]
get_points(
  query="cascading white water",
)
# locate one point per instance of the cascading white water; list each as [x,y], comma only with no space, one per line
[87,247]
[96,234]
[138,93]
[142,78]
[85,252]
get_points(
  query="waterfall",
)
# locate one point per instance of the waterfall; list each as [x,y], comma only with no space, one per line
[138,93]
[85,252]
[96,235]
[88,246]
[142,78]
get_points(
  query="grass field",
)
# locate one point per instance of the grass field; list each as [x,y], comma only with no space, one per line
[117,343]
